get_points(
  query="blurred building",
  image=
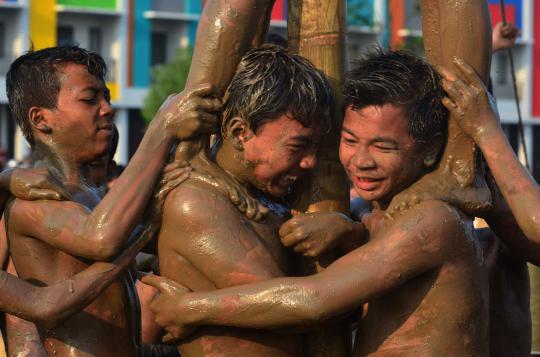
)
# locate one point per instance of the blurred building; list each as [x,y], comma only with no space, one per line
[135,35]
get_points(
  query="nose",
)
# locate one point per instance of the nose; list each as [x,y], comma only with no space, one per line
[106,110]
[362,160]
[309,161]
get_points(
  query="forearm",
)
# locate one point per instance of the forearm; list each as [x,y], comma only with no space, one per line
[218,36]
[278,303]
[111,222]
[49,306]
[517,186]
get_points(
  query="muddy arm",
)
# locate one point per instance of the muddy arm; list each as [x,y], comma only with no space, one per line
[226,31]
[49,306]
[406,251]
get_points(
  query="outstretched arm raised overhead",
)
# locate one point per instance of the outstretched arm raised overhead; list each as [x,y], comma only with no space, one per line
[468,98]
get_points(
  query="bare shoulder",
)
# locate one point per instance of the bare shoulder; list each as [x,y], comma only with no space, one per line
[195,201]
[434,224]
[26,217]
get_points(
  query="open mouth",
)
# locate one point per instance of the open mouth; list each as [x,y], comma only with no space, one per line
[367,183]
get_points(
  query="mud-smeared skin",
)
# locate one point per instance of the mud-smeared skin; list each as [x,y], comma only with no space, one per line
[425,264]
[218,248]
[53,241]
[206,243]
[454,28]
[48,305]
[226,30]
[467,94]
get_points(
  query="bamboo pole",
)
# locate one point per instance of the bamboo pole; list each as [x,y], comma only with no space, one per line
[316,31]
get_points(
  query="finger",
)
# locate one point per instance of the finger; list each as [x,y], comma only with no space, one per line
[211,105]
[43,194]
[302,247]
[234,196]
[251,212]
[468,72]
[173,184]
[451,89]
[205,89]
[164,285]
[288,227]
[172,166]
[294,212]
[172,175]
[58,188]
[293,238]
[211,120]
[449,104]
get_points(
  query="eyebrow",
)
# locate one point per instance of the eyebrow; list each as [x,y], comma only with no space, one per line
[301,138]
[348,131]
[382,139]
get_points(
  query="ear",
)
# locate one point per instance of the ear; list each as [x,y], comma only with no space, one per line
[433,148]
[238,131]
[38,119]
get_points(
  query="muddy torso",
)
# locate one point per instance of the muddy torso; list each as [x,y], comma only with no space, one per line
[443,312]
[261,245]
[106,327]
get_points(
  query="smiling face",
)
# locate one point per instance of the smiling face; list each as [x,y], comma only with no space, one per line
[281,151]
[81,123]
[378,153]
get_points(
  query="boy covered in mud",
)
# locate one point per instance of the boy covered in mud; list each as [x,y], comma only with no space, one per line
[415,266]
[59,98]
[277,109]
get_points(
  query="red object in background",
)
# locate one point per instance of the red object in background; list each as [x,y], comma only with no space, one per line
[278,12]
[536,65]
[496,15]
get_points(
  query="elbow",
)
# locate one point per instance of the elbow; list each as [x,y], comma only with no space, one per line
[48,316]
[103,250]
[105,253]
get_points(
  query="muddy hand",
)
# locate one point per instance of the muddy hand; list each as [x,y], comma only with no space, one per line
[468,100]
[192,112]
[312,234]
[33,184]
[163,306]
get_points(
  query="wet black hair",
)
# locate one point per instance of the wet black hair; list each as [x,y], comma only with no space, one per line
[404,80]
[33,79]
[270,82]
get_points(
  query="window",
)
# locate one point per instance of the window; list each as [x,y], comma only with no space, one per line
[65,36]
[501,68]
[159,48]
[2,40]
[95,39]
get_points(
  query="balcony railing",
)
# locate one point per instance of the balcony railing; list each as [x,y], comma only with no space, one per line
[167,5]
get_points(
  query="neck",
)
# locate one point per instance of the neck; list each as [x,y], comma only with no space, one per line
[63,167]
[232,161]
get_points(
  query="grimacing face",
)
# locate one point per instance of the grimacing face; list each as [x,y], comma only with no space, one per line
[378,153]
[279,153]
[82,119]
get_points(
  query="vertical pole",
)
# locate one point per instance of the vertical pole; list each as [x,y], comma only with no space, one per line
[317,32]
[455,28]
